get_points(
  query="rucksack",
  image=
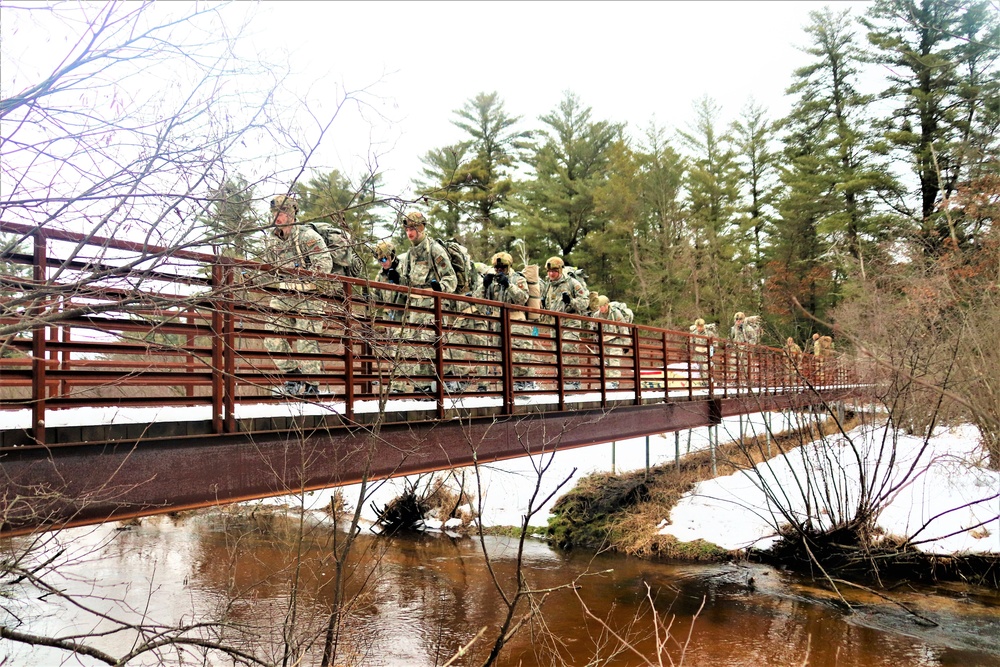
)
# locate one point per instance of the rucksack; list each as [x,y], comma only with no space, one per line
[752,329]
[465,271]
[577,274]
[623,310]
[341,246]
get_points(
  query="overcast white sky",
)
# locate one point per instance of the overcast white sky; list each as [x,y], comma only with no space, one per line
[417,62]
[630,61]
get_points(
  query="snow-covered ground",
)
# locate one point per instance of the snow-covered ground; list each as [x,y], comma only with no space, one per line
[937,493]
[506,487]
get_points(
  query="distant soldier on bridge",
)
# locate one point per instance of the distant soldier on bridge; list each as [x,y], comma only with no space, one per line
[300,247]
[564,294]
[389,261]
[426,266]
[504,284]
[615,338]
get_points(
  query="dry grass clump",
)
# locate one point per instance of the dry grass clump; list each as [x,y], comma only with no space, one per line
[625,512]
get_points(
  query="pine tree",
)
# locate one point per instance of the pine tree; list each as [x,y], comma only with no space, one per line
[942,58]
[496,146]
[799,270]
[557,208]
[441,185]
[834,177]
[753,135]
[713,202]
[645,251]
[332,197]
[471,182]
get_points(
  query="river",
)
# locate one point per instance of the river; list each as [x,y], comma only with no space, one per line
[416,599]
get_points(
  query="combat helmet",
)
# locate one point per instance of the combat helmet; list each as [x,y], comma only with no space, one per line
[554,264]
[385,249]
[593,301]
[502,259]
[284,203]
[414,219]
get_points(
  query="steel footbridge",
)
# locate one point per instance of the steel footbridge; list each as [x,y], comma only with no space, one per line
[138,379]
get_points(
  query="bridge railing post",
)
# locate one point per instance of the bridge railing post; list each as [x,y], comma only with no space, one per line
[636,365]
[690,366]
[218,346]
[190,320]
[348,351]
[665,363]
[229,347]
[560,371]
[710,366]
[602,360]
[38,347]
[506,360]
[439,344]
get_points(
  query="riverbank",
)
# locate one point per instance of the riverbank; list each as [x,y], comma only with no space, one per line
[929,508]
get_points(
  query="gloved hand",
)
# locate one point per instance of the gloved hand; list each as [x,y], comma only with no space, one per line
[393,276]
[503,280]
[487,280]
[435,285]
[566,299]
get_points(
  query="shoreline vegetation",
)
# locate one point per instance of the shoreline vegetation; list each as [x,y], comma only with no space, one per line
[624,513]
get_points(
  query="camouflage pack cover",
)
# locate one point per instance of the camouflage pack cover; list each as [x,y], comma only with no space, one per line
[341,247]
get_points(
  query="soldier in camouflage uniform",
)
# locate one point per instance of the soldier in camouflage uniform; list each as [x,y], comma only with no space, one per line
[465,329]
[824,358]
[425,266]
[388,261]
[793,357]
[701,348]
[502,283]
[613,338]
[745,334]
[564,294]
[301,247]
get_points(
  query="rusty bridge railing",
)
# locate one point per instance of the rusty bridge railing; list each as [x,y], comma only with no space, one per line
[90,322]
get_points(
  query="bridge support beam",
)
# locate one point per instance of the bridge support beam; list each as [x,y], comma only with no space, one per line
[55,487]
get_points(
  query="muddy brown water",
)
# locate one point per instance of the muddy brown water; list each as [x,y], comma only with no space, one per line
[416,599]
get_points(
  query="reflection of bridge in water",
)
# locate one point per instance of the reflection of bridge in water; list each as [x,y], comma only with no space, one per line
[141,382]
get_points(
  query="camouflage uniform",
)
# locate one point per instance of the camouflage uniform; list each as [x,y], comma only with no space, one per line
[553,292]
[425,263]
[514,293]
[744,334]
[300,246]
[702,349]
[389,273]
[613,339]
[793,357]
[824,358]
[465,329]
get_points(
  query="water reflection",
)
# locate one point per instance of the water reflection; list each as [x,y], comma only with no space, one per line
[414,600]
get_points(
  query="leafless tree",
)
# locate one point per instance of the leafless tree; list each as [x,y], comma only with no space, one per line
[121,121]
